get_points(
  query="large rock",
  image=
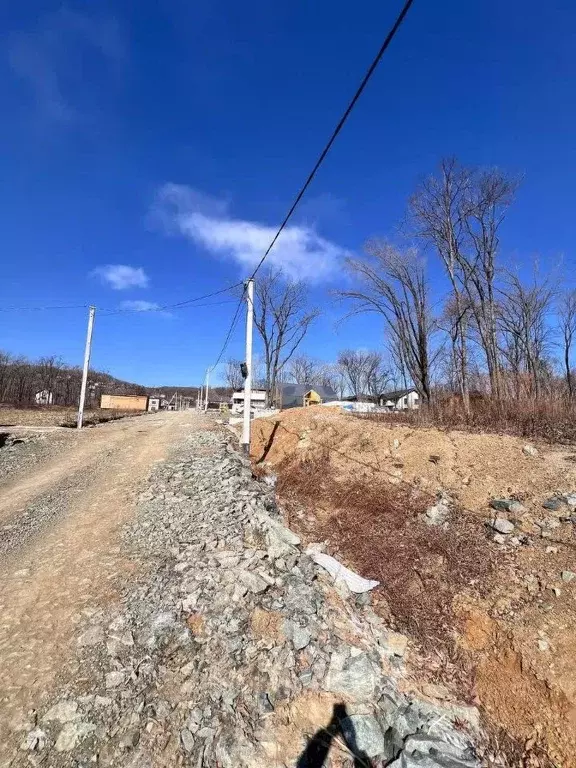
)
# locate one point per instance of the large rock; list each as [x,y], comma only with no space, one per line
[364,736]
[253,582]
[299,636]
[437,514]
[554,504]
[63,712]
[73,734]
[35,740]
[353,676]
[502,525]
[508,505]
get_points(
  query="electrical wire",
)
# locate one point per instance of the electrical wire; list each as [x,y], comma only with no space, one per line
[107,311]
[145,310]
[389,37]
[231,329]
[41,309]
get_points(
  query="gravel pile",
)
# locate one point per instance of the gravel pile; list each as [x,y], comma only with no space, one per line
[227,643]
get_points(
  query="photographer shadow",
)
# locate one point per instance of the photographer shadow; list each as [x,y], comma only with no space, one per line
[318,747]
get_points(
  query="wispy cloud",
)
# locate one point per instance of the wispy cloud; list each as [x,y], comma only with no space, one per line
[137,305]
[121,276]
[49,58]
[300,251]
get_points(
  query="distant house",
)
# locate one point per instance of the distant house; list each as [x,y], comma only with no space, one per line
[302,395]
[44,397]
[257,401]
[124,402]
[400,400]
[156,402]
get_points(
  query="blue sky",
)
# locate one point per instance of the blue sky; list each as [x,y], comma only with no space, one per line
[171,138]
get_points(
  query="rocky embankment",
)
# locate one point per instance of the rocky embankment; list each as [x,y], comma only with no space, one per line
[230,647]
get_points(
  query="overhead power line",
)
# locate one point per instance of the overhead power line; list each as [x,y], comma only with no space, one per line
[166,308]
[115,311]
[389,37]
[42,309]
[231,329]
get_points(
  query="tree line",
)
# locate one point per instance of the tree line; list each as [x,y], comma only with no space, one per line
[496,333]
[21,380]
[364,374]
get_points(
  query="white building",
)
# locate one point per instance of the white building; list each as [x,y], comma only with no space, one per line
[45,397]
[257,401]
[400,400]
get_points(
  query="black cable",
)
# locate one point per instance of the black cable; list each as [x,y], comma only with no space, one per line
[129,310]
[179,304]
[39,309]
[207,296]
[231,329]
[106,311]
[351,105]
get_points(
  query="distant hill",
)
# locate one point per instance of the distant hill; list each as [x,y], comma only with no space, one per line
[22,379]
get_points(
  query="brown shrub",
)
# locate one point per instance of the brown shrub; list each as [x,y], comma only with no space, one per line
[377,529]
[553,421]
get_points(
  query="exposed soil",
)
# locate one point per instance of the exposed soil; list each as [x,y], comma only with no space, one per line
[496,621]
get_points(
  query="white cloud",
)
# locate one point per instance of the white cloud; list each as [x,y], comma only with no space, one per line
[137,305]
[299,251]
[140,306]
[120,276]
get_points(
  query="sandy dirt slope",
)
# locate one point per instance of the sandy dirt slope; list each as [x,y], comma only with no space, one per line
[69,562]
[518,624]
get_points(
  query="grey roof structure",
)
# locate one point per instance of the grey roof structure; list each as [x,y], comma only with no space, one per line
[292,395]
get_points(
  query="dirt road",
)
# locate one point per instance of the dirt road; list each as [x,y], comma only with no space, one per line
[61,556]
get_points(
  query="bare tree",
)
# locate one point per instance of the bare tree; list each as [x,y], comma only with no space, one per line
[489,197]
[49,370]
[282,317]
[567,316]
[459,212]
[332,376]
[393,284]
[364,372]
[303,369]
[233,374]
[6,362]
[523,321]
[438,210]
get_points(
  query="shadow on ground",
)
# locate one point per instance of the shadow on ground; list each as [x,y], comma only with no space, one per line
[319,746]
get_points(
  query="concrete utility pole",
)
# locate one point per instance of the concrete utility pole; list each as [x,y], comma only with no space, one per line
[245,441]
[87,351]
[206,388]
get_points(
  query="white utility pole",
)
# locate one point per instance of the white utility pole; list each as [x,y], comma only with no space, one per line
[87,351]
[245,441]
[200,398]
[206,388]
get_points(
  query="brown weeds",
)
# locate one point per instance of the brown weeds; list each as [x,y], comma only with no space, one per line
[377,529]
[553,421]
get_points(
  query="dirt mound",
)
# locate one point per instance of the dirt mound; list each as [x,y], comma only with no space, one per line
[475,467]
[498,619]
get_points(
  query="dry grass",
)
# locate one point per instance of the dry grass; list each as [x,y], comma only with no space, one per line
[553,421]
[376,527]
[57,416]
